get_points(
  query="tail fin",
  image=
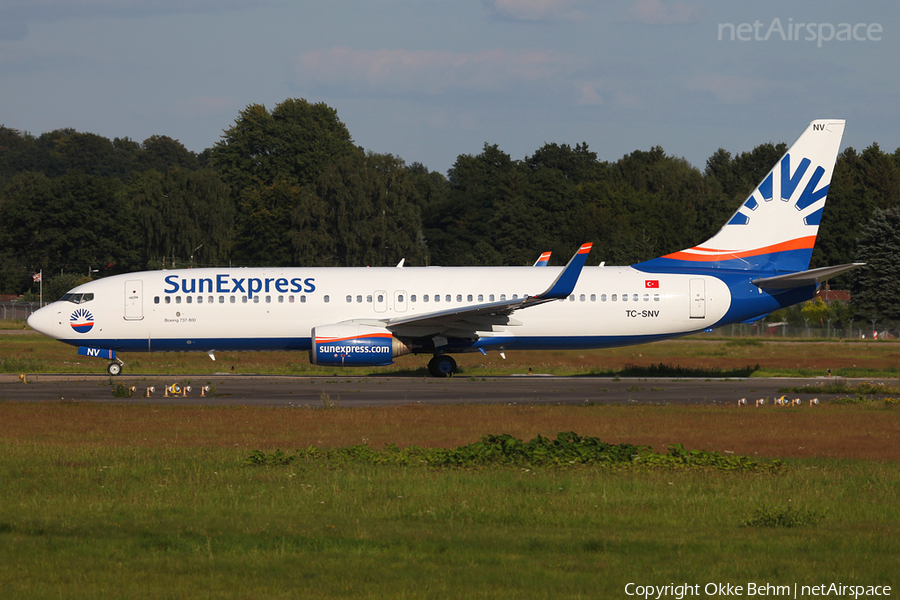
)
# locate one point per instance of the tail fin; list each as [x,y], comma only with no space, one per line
[775,229]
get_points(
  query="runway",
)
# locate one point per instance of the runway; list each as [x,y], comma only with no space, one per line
[348,392]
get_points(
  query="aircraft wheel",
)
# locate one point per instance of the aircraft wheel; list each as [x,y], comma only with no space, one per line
[442,366]
[114,368]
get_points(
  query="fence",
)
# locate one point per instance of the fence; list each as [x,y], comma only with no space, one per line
[856,330]
[17,309]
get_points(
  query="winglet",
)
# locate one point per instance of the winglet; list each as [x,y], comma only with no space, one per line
[565,283]
[543,260]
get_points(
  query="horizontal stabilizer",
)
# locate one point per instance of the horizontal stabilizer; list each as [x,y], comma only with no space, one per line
[802,278]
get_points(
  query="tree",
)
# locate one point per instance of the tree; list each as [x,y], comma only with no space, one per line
[876,286]
[181,214]
[266,158]
[296,141]
[371,210]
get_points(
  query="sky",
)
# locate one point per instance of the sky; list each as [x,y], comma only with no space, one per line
[429,80]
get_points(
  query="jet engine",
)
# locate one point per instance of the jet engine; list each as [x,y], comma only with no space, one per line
[355,345]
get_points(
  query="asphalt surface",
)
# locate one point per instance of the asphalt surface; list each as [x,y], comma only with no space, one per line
[319,392]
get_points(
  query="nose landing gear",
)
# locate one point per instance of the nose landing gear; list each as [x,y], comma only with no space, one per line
[115,367]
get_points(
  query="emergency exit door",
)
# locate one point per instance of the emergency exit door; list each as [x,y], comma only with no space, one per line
[134,303]
[698,299]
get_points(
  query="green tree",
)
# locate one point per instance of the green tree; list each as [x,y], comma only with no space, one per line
[264,156]
[179,215]
[372,212]
[876,286]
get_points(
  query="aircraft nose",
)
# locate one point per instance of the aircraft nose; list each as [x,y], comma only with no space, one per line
[44,320]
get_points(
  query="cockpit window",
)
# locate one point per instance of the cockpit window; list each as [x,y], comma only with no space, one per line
[77,298]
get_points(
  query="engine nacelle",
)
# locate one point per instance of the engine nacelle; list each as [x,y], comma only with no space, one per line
[355,345]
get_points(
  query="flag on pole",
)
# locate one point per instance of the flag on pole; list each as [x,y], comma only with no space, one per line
[36,277]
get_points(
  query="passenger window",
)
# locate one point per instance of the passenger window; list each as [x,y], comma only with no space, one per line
[156,300]
[168,299]
[602,297]
[369,298]
[256,299]
[490,298]
[447,298]
[189,299]
[572,298]
[613,298]
[469,298]
[593,297]
[412,298]
[291,299]
[221,299]
[327,298]
[634,297]
[349,298]
[302,299]
[624,297]
[177,299]
[280,299]
[656,297]
[359,299]
[425,298]
[646,297]
[459,297]
[211,300]
[232,299]
[481,297]
[502,297]
[199,299]
[243,299]
[437,297]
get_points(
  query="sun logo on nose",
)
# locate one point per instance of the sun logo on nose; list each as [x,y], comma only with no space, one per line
[82,320]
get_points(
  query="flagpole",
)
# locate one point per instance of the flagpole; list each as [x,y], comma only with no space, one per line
[41,305]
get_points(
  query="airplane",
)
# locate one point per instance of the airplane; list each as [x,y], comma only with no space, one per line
[757,263]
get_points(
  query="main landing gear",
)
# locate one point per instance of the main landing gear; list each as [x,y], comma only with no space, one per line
[442,365]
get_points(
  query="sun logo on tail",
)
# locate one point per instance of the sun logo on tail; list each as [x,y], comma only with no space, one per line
[790,193]
[82,320]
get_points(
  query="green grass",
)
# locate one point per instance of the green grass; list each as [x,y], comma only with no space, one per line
[130,522]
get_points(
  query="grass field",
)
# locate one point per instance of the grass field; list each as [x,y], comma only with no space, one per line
[139,501]
[155,502]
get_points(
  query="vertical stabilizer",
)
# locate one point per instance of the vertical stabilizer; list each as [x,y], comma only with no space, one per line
[775,228]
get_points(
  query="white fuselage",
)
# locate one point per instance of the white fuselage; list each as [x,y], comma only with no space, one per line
[276,309]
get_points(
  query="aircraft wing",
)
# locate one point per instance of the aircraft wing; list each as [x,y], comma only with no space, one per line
[482,317]
[811,277]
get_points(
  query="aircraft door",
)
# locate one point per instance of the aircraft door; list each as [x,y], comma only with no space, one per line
[698,299]
[400,301]
[380,301]
[134,302]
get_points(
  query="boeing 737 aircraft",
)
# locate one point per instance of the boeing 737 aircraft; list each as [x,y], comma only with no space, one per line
[757,263]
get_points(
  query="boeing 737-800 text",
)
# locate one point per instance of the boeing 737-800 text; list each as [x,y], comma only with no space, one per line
[757,263]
